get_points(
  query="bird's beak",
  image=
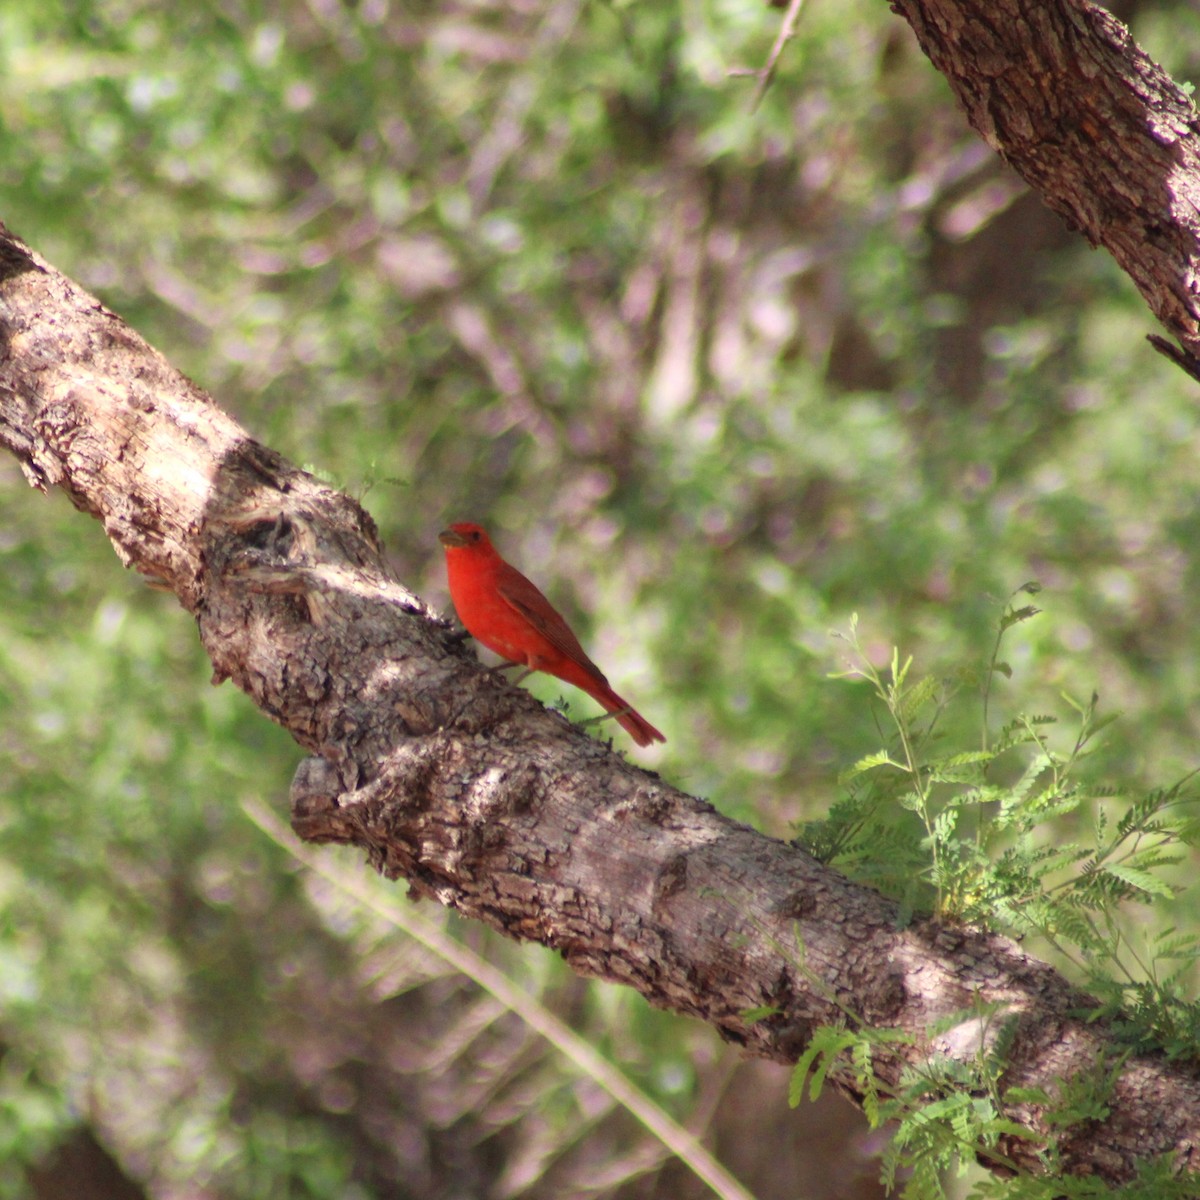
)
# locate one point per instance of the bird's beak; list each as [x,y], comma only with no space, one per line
[449,538]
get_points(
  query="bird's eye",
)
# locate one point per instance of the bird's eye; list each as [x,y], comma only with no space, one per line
[473,535]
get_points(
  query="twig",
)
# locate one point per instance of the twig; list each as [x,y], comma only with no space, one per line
[1183,359]
[787,31]
[678,1140]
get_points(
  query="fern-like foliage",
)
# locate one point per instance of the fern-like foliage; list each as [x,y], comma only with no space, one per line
[990,834]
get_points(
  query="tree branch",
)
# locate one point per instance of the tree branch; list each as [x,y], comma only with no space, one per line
[1060,90]
[477,795]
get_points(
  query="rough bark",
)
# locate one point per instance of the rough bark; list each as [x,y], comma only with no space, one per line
[465,786]
[1060,90]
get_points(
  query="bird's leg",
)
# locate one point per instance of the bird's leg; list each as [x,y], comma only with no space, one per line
[505,666]
[620,712]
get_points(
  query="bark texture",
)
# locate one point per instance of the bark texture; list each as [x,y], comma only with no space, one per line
[1060,90]
[480,798]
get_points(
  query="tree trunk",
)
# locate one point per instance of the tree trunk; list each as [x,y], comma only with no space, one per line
[1064,95]
[465,786]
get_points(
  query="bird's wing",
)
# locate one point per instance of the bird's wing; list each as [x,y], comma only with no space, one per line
[525,598]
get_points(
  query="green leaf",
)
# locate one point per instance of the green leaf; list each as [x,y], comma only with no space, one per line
[754,1015]
[1142,880]
[880,758]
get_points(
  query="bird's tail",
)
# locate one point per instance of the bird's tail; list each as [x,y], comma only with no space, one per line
[628,718]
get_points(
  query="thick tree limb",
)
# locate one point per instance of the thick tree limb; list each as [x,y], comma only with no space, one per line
[483,800]
[1059,89]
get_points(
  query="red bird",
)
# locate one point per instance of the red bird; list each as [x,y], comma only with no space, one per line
[509,615]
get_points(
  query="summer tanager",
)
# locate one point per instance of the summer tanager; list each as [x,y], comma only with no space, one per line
[509,615]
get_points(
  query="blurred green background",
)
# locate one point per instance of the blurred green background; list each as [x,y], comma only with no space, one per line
[715,379]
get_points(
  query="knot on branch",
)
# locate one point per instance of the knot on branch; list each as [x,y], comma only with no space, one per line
[328,807]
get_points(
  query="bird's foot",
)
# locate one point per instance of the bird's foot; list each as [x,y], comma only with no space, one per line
[505,666]
[612,716]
